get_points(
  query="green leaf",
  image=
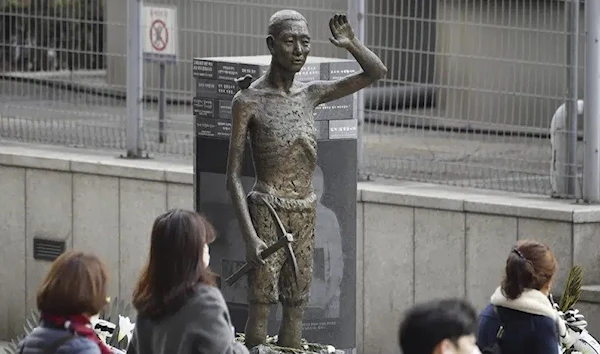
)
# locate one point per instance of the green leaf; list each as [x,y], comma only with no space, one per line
[572,291]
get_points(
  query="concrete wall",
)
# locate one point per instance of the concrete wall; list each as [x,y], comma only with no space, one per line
[416,241]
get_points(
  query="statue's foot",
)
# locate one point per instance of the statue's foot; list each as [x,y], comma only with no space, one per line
[290,332]
[256,325]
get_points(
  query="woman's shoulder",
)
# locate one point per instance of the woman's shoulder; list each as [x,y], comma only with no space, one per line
[80,345]
[205,297]
[206,292]
[42,337]
[488,311]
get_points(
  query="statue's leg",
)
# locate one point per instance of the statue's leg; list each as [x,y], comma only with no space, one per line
[294,296]
[256,325]
[263,287]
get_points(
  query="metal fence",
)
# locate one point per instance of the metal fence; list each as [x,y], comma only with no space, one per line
[469,98]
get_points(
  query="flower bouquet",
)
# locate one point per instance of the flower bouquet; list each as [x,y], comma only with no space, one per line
[576,339]
[114,319]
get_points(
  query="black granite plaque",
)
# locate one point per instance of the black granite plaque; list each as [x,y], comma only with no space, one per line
[338,109]
[206,127]
[204,107]
[223,129]
[213,108]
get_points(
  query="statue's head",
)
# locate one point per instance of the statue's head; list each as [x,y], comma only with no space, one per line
[288,39]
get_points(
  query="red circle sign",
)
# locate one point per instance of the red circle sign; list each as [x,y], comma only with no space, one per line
[159,35]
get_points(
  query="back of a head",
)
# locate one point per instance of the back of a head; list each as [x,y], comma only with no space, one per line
[175,264]
[280,17]
[530,265]
[426,325]
[74,285]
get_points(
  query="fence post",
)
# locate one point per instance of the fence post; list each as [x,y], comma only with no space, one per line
[135,67]
[591,111]
[356,11]
[570,167]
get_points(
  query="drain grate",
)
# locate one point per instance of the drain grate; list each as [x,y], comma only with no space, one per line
[47,250]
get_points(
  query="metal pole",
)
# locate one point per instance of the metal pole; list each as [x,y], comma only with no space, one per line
[591,111]
[570,171]
[135,66]
[356,9]
[162,104]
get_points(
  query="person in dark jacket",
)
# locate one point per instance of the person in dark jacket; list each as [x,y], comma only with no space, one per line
[180,311]
[74,290]
[531,324]
[444,326]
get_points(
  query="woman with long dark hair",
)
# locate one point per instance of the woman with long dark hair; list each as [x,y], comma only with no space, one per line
[180,311]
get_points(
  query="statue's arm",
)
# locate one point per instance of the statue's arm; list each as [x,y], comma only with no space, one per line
[237,143]
[373,68]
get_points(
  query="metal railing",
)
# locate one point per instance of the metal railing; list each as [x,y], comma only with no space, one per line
[471,93]
[469,98]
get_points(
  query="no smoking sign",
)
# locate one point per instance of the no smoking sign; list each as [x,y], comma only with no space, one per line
[160,39]
[159,35]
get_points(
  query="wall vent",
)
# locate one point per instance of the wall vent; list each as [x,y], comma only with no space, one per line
[47,250]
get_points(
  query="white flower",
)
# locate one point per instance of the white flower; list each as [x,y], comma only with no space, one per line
[330,349]
[125,328]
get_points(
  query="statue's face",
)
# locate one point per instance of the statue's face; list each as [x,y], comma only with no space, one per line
[291,45]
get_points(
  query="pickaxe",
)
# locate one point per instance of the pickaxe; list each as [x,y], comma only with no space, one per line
[285,240]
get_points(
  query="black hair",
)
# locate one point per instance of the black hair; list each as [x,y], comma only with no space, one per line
[427,324]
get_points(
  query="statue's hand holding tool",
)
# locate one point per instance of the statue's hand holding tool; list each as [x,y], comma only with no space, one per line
[341,31]
[257,251]
[253,252]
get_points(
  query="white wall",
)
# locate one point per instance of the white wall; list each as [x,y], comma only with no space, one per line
[415,241]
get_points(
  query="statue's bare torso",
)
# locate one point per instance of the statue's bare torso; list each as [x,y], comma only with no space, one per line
[282,137]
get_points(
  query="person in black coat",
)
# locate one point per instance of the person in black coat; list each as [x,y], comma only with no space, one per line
[531,324]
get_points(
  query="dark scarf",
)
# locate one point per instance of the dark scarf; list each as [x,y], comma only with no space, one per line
[79,325]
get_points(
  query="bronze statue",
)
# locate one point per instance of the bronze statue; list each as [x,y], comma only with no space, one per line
[276,113]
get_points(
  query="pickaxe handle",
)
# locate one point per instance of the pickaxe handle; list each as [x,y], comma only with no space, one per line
[287,238]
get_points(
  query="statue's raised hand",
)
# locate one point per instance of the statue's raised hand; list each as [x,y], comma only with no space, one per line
[341,31]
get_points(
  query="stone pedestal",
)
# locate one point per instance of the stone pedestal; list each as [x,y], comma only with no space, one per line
[331,316]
